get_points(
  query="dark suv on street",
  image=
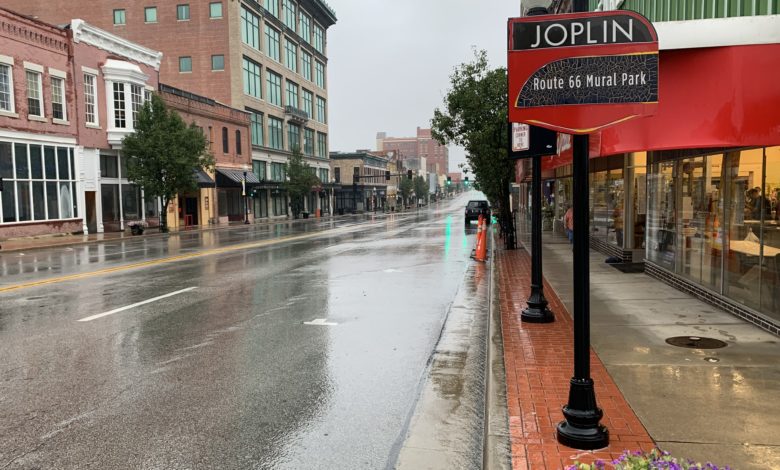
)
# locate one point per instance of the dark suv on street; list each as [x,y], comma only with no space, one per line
[475,208]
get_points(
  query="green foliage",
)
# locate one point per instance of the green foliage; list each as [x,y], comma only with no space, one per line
[420,187]
[405,187]
[164,154]
[301,180]
[474,116]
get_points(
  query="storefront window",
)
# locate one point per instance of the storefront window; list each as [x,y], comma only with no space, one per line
[638,216]
[770,238]
[109,198]
[279,201]
[131,202]
[615,206]
[661,230]
[747,206]
[261,204]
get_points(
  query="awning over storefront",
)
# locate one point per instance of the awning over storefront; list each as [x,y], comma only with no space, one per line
[714,97]
[229,178]
[203,179]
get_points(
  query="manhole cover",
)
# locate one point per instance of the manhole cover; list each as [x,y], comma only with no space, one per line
[696,342]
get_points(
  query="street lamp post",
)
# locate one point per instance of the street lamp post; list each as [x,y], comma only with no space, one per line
[246,199]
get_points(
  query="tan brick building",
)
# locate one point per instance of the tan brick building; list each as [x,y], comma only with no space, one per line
[421,145]
[268,58]
[361,176]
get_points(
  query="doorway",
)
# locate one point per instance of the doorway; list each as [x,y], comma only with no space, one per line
[190,211]
[91,211]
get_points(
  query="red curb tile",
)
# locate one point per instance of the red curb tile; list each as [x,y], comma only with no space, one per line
[538,360]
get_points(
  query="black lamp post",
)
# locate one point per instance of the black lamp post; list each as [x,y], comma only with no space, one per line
[581,428]
[246,200]
[536,311]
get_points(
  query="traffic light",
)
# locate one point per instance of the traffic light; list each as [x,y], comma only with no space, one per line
[466,181]
[387,175]
[409,174]
[449,180]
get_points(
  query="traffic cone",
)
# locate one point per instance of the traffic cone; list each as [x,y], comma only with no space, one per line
[481,254]
[479,238]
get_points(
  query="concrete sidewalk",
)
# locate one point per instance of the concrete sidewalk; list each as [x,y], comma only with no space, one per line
[716,405]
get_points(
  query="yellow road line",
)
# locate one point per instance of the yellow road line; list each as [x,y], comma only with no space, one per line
[170,259]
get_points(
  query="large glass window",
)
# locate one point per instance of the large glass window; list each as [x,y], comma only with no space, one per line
[770,236]
[272,43]
[661,222]
[274,81]
[306,65]
[292,93]
[279,201]
[109,198]
[308,141]
[137,102]
[319,39]
[108,166]
[272,6]
[277,171]
[275,137]
[131,202]
[258,167]
[250,28]
[321,114]
[256,128]
[252,81]
[289,14]
[294,137]
[322,145]
[748,207]
[308,102]
[305,27]
[291,55]
[319,74]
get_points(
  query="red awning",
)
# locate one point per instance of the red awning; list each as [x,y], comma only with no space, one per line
[708,98]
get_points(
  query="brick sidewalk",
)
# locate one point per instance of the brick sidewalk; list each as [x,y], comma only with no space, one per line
[539,361]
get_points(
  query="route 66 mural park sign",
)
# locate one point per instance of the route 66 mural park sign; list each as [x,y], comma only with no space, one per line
[577,73]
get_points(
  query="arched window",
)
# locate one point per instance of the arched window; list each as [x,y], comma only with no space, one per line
[225,148]
[238,142]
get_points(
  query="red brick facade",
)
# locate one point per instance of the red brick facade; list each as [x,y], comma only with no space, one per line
[422,145]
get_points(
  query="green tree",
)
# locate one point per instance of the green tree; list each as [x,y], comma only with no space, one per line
[474,116]
[164,154]
[421,187]
[405,187]
[300,181]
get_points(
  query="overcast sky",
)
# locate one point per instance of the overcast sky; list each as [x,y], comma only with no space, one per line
[389,62]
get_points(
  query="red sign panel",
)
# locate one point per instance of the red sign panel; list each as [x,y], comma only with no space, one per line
[581,72]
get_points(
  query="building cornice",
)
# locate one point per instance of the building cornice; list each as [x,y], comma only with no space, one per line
[88,34]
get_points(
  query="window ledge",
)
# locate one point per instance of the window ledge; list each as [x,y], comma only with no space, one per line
[33,117]
[215,17]
[61,122]
[150,22]
[9,114]
[222,70]
[93,126]
[185,71]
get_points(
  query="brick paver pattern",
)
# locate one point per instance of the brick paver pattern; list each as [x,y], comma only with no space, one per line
[539,362]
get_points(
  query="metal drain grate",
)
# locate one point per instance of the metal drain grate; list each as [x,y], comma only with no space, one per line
[696,342]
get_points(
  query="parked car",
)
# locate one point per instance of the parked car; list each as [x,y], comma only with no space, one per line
[475,208]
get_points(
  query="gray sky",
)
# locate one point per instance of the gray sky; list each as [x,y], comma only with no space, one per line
[389,62]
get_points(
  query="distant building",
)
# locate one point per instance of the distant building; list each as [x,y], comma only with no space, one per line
[422,145]
[267,57]
[361,179]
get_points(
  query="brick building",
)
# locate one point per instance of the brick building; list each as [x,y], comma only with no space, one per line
[67,98]
[268,58]
[361,176]
[221,196]
[422,145]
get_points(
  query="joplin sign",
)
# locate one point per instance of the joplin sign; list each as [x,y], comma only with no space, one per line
[580,72]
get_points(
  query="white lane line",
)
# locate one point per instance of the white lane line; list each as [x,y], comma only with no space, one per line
[320,322]
[128,307]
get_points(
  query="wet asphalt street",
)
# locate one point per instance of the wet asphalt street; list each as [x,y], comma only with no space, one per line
[292,345]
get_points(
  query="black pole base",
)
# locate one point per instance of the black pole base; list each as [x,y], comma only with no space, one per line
[581,429]
[537,315]
[536,310]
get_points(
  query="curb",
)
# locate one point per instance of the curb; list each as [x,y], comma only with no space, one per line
[496,450]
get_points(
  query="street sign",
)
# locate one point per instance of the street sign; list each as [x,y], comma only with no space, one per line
[531,141]
[580,72]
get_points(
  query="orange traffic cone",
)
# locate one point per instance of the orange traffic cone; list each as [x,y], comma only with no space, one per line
[481,254]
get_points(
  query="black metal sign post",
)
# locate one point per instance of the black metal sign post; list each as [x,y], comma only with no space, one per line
[581,428]
[534,142]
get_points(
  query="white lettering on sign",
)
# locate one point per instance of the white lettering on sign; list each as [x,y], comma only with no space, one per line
[557,34]
[521,137]
[590,80]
